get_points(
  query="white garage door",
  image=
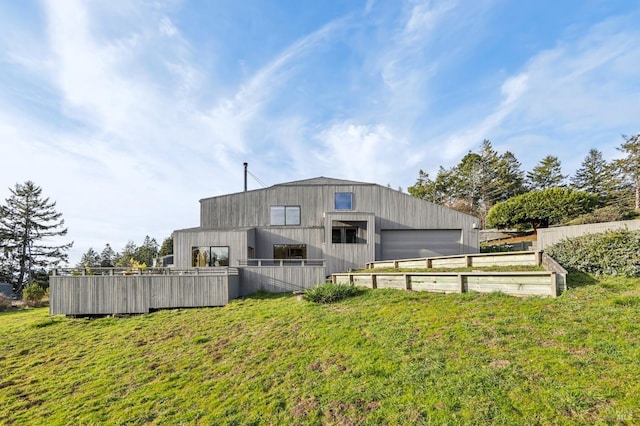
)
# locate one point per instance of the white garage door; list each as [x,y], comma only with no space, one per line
[412,243]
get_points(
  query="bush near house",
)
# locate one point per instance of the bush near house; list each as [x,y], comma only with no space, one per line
[330,292]
[611,252]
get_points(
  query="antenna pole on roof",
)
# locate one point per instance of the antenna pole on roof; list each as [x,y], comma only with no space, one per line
[245,175]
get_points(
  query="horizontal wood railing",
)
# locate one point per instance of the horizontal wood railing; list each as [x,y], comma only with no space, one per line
[531,258]
[117,271]
[281,262]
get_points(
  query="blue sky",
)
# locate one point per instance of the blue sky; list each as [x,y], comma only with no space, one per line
[127,113]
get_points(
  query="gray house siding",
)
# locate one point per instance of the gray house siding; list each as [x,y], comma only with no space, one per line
[236,240]
[243,219]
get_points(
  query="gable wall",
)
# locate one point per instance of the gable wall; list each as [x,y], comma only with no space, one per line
[393,209]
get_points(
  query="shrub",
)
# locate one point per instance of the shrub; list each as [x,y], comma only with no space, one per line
[5,302]
[603,214]
[330,292]
[32,294]
[611,252]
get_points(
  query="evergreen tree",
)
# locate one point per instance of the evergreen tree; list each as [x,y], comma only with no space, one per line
[147,251]
[630,165]
[473,186]
[123,258]
[27,223]
[90,259]
[547,174]
[511,177]
[595,176]
[107,257]
[167,247]
[437,191]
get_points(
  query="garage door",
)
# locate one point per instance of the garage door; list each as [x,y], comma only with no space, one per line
[412,243]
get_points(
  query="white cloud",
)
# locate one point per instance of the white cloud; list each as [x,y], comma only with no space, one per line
[358,151]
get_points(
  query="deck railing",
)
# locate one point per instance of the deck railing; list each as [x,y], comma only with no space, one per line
[281,262]
[119,271]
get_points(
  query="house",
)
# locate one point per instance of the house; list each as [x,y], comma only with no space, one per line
[342,223]
[284,238]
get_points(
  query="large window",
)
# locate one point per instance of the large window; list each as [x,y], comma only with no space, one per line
[289,251]
[344,201]
[348,232]
[210,256]
[285,215]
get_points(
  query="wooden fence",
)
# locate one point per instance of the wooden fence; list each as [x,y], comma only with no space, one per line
[113,293]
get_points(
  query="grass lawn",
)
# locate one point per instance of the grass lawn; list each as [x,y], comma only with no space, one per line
[384,357]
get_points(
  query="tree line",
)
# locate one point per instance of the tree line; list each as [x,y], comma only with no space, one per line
[484,179]
[143,254]
[30,225]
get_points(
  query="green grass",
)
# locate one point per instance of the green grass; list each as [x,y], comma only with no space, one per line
[383,357]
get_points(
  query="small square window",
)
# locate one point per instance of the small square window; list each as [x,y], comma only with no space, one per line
[344,201]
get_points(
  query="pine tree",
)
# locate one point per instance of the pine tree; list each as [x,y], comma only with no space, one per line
[90,259]
[167,247]
[630,166]
[547,174]
[147,251]
[595,176]
[511,177]
[107,257]
[123,259]
[27,223]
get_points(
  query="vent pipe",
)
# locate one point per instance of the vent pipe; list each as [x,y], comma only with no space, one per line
[245,175]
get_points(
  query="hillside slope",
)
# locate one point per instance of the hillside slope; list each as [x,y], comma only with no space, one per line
[385,357]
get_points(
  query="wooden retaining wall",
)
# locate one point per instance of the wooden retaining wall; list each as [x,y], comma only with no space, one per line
[536,283]
[527,258]
[132,294]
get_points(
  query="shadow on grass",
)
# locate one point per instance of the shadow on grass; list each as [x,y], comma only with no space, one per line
[261,295]
[580,279]
[17,310]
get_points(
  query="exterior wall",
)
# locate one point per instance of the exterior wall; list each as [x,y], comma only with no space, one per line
[383,208]
[236,240]
[549,236]
[393,209]
[242,220]
[267,237]
[275,279]
[341,257]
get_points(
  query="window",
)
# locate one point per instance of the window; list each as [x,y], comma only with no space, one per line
[285,215]
[344,201]
[289,251]
[348,232]
[210,256]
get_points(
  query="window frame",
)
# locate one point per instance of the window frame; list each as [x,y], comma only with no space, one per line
[291,215]
[339,201]
[210,260]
